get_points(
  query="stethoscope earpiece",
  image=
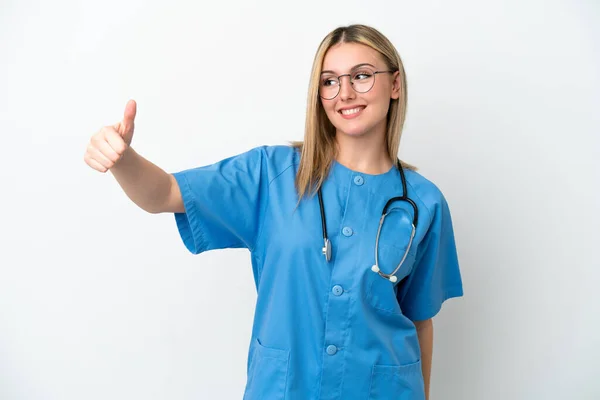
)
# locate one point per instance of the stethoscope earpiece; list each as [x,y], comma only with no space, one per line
[392,278]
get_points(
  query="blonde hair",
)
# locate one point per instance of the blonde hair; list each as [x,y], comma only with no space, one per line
[318,149]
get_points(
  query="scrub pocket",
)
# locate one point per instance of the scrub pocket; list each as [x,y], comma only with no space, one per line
[267,373]
[381,293]
[397,382]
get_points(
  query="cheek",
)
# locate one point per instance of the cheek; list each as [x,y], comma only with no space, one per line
[329,110]
[383,109]
[380,106]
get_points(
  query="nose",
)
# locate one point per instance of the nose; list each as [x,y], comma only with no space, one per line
[346,90]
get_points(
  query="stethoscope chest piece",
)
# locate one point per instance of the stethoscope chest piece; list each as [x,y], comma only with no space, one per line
[327,250]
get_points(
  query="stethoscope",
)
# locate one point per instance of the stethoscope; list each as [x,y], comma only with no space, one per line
[375,268]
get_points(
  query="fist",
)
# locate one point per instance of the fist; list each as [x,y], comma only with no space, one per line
[107,146]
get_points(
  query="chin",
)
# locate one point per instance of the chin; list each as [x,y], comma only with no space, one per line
[357,130]
[351,133]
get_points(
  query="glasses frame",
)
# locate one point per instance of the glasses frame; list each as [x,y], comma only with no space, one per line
[339,78]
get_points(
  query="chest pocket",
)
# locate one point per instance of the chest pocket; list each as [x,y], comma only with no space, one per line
[393,241]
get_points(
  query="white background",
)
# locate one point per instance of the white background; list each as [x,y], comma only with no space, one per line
[101,300]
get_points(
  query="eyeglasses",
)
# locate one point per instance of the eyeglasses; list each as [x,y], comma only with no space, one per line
[362,80]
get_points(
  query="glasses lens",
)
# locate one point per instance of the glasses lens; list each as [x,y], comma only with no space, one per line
[329,86]
[363,80]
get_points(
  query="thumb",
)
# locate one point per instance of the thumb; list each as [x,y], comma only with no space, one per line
[126,125]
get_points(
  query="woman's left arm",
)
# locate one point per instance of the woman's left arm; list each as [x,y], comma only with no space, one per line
[425,334]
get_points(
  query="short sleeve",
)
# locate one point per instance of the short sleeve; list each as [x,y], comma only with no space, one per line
[436,275]
[224,202]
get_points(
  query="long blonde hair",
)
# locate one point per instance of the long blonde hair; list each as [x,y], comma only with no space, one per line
[318,148]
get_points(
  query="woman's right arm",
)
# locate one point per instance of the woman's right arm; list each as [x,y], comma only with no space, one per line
[147,185]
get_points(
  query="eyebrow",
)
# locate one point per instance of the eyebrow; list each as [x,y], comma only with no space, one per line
[356,66]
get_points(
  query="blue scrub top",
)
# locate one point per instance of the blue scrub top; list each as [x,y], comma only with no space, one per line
[326,330]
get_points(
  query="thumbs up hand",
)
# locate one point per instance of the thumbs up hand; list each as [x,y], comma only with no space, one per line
[125,127]
[107,146]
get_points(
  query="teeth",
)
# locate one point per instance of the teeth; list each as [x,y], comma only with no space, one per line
[352,111]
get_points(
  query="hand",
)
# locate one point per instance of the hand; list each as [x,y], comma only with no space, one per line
[107,146]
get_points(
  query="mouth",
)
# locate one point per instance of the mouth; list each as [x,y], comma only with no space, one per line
[351,112]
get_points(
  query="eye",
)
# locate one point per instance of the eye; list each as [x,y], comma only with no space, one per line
[361,75]
[329,82]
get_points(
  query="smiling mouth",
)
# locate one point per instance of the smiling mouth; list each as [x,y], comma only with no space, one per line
[352,110]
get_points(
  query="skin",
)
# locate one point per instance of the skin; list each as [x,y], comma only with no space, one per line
[361,140]
[147,185]
[425,335]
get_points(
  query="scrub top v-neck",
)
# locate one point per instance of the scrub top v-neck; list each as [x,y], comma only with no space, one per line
[326,330]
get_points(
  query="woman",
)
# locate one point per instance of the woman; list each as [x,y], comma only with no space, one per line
[344,303]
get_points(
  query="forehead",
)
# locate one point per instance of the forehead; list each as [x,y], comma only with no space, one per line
[343,56]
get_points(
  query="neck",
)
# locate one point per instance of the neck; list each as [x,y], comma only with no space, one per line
[366,153]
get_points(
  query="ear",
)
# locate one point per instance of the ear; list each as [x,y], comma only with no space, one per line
[396,86]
